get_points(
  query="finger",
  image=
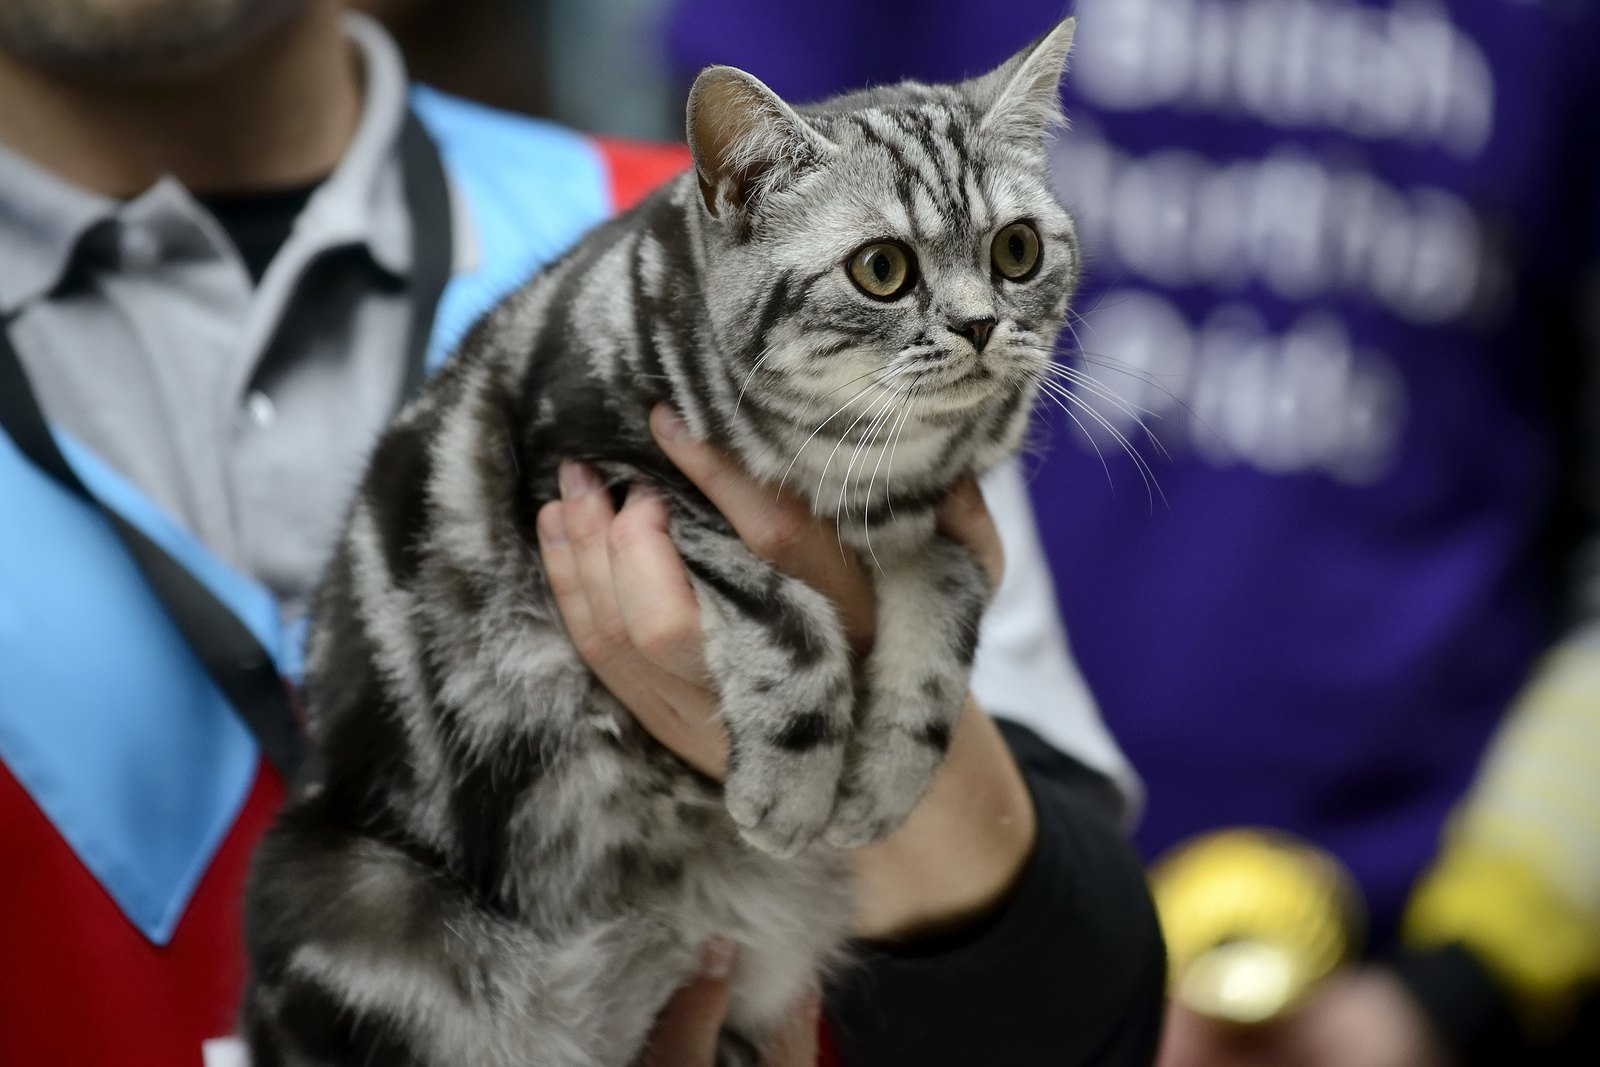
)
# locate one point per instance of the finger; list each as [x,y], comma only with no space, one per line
[964,517]
[728,484]
[588,513]
[656,601]
[795,1043]
[777,526]
[677,713]
[561,571]
[615,664]
[685,1034]
[1190,1040]
[662,617]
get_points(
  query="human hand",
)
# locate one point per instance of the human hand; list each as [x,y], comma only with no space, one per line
[685,1033]
[1362,1017]
[632,614]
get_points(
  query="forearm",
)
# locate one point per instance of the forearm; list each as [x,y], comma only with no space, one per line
[962,851]
[1069,970]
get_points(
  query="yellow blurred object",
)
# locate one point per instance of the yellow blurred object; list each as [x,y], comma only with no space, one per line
[1542,951]
[1517,881]
[1253,920]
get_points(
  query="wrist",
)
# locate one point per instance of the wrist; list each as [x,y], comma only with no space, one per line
[962,851]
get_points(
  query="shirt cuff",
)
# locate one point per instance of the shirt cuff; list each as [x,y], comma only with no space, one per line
[1468,1011]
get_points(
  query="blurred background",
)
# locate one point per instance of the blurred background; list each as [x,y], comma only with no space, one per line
[601,66]
[1322,496]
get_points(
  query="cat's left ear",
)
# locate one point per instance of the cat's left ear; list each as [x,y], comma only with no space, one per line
[1023,96]
[746,141]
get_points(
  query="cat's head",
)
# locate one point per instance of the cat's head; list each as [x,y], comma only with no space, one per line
[897,253]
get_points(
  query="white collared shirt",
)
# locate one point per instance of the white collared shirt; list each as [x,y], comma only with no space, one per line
[245,411]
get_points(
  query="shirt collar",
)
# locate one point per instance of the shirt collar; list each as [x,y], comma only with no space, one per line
[363,200]
[44,217]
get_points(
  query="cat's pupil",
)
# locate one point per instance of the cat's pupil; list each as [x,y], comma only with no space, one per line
[880,267]
[1015,246]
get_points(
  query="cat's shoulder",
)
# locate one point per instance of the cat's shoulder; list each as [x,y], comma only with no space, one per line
[524,191]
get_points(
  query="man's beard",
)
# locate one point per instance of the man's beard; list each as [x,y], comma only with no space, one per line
[133,38]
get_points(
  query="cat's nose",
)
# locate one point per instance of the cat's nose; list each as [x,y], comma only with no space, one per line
[975,330]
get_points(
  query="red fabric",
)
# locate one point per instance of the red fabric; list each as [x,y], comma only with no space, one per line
[827,1055]
[638,167]
[79,984]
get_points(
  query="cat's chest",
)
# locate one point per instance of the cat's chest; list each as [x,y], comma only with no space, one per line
[614,821]
[866,466]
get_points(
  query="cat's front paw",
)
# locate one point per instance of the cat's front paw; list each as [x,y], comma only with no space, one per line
[781,797]
[915,687]
[888,770]
[893,757]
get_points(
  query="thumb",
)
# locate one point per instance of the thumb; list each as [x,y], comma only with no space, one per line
[686,1032]
[965,518]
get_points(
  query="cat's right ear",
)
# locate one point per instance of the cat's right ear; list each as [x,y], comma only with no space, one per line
[1023,97]
[746,141]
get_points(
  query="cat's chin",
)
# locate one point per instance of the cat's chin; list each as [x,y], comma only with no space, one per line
[945,392]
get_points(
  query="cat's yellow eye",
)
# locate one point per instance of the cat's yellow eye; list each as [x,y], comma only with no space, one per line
[1015,251]
[882,269]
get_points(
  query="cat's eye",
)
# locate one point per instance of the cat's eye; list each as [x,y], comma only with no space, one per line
[1015,251]
[883,269]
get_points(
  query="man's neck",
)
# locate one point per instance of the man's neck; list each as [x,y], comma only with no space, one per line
[280,113]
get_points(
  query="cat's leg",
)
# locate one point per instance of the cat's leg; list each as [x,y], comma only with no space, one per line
[778,657]
[929,605]
[361,954]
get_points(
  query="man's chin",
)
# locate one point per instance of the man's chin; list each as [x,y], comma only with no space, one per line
[135,40]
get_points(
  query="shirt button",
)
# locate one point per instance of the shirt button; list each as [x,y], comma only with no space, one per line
[262,411]
[140,249]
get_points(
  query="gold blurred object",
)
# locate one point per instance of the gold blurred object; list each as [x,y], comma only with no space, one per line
[1254,919]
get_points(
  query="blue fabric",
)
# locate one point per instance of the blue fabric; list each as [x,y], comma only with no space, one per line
[107,719]
[247,598]
[531,188]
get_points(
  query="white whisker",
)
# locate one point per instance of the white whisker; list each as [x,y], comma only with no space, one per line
[757,366]
[888,474]
[868,437]
[1146,473]
[888,492]
[1089,436]
[1103,391]
[840,443]
[1057,388]
[818,430]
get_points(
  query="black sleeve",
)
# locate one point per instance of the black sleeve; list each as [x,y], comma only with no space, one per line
[1467,1009]
[1072,971]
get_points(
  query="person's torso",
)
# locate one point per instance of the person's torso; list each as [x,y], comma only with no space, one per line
[131,792]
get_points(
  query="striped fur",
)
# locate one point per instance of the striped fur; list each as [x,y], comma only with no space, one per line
[487,861]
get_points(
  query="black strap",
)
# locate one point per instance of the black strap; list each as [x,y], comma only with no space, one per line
[428,198]
[227,649]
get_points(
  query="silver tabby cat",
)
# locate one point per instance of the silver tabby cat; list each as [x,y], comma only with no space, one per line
[487,861]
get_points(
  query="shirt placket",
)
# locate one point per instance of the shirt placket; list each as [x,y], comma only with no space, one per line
[186,300]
